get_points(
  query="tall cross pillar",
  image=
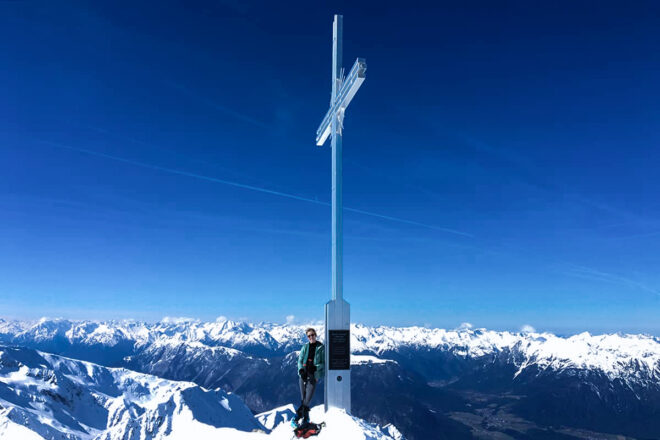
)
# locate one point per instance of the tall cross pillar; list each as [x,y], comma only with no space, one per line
[337,212]
[337,388]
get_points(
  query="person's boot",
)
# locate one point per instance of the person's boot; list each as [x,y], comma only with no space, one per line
[300,413]
[305,414]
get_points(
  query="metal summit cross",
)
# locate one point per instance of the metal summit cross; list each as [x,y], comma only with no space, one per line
[337,387]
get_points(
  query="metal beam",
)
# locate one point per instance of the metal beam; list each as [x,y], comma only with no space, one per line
[337,53]
[348,90]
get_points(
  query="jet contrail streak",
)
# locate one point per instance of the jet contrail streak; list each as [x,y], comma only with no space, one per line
[409,222]
[251,187]
[215,105]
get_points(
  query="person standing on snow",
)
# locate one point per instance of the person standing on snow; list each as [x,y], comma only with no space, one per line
[311,369]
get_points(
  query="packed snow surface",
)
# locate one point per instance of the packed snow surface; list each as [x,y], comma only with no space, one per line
[340,426]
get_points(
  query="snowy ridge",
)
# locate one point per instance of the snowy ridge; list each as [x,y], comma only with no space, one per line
[615,355]
[61,398]
[226,333]
[45,396]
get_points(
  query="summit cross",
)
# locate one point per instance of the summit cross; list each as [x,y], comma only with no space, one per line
[337,389]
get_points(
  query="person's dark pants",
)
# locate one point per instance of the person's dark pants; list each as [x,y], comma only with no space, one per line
[307,389]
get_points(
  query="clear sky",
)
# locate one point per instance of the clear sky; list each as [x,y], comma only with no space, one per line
[159,160]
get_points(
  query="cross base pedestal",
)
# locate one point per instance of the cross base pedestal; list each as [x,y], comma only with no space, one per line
[337,387]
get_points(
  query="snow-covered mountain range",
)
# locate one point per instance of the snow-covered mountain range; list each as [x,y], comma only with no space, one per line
[45,396]
[616,355]
[443,380]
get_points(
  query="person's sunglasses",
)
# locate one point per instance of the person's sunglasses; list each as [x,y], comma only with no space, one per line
[310,335]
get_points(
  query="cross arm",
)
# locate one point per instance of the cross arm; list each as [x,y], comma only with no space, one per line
[348,90]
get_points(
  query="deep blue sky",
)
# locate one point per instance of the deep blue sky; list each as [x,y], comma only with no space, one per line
[531,129]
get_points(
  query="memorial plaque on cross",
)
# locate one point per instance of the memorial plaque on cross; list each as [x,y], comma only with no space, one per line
[337,389]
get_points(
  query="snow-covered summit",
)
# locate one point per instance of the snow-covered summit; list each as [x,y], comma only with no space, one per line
[44,396]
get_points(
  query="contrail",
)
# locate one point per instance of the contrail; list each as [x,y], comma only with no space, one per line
[251,188]
[593,274]
[216,106]
[409,222]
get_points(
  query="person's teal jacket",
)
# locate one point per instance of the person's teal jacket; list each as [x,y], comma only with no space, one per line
[319,359]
